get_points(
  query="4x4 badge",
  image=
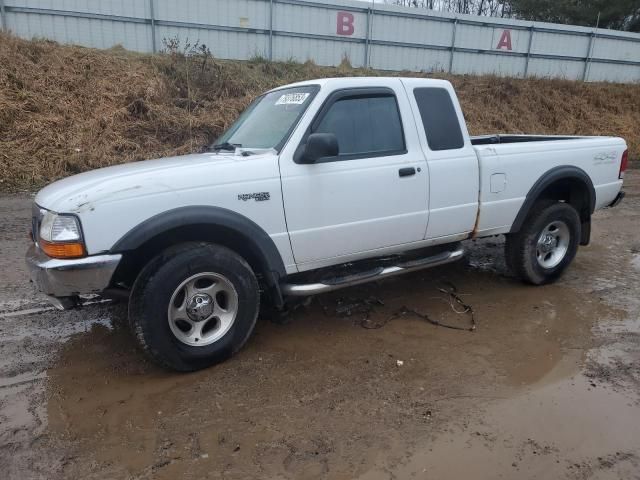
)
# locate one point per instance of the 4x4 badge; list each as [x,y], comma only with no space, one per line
[257,196]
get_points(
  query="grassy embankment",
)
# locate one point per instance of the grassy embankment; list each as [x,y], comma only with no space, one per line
[66,109]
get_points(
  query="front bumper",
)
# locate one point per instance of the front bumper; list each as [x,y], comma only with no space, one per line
[66,279]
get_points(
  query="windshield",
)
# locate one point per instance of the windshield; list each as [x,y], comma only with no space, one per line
[267,122]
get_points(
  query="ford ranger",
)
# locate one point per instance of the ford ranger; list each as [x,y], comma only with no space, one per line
[317,186]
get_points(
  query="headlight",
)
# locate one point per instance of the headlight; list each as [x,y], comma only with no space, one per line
[59,228]
[60,236]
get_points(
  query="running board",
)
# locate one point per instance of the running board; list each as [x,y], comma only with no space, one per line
[303,289]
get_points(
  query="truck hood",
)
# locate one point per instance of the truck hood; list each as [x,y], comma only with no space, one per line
[84,191]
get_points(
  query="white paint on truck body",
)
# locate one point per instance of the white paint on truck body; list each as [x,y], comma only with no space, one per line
[330,213]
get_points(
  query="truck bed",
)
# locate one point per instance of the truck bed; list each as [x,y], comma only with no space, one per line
[508,171]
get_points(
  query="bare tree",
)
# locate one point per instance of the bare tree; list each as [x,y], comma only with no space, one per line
[492,8]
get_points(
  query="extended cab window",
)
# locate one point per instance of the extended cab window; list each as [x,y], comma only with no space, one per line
[441,124]
[364,126]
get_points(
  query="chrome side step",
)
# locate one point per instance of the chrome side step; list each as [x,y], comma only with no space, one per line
[293,289]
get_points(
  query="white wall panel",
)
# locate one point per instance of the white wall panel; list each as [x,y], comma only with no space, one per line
[616,49]
[545,68]
[233,13]
[82,31]
[482,64]
[412,30]
[414,59]
[602,72]
[560,44]
[322,52]
[474,36]
[236,45]
[315,20]
[126,8]
[492,38]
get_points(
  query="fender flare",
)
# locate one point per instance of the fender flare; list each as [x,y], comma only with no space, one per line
[257,239]
[564,172]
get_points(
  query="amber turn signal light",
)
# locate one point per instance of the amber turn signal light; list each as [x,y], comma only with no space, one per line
[62,250]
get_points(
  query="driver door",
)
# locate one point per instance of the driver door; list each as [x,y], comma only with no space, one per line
[372,195]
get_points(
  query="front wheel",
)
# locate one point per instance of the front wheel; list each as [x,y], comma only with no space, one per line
[194,305]
[546,244]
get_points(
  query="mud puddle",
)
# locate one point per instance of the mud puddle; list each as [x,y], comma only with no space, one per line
[578,421]
[561,427]
[546,387]
[322,396]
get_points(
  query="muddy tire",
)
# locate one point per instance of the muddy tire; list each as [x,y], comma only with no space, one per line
[546,244]
[194,305]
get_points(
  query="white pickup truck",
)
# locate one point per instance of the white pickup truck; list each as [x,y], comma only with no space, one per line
[318,185]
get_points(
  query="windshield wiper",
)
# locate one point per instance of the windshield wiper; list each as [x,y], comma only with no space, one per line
[225,146]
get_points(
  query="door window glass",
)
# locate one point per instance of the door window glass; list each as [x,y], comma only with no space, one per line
[365,126]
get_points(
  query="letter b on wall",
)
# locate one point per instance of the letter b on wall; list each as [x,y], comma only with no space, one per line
[345,24]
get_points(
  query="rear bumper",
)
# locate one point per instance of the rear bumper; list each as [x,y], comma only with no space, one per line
[65,279]
[617,200]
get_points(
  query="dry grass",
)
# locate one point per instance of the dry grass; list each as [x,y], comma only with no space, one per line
[64,110]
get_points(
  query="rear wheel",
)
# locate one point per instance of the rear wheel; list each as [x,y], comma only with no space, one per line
[546,244]
[194,305]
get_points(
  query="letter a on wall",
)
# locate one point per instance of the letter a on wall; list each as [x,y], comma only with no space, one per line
[505,41]
[345,23]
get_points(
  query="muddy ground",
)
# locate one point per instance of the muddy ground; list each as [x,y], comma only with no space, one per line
[548,386]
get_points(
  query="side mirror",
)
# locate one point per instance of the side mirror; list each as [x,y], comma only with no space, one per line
[319,145]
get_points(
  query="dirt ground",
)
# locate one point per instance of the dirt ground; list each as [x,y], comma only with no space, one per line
[548,386]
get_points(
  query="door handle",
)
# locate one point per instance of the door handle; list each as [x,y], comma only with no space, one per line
[407,172]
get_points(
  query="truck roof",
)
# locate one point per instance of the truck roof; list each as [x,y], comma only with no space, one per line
[346,82]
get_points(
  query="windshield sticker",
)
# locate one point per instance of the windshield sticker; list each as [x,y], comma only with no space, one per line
[292,99]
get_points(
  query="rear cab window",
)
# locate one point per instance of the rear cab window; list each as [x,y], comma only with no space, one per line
[439,118]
